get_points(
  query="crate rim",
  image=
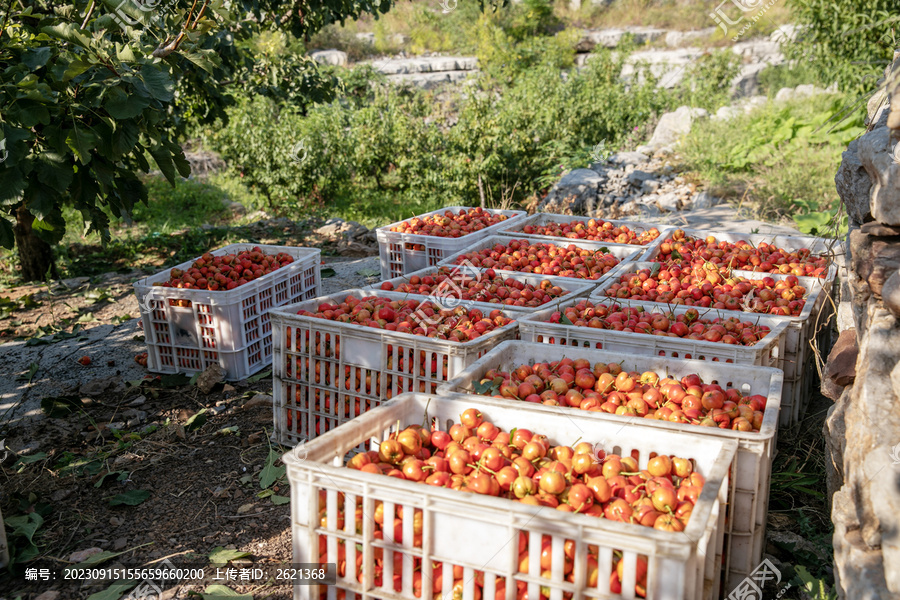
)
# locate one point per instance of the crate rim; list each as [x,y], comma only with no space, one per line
[766,432]
[283,317]
[670,548]
[778,325]
[560,218]
[630,253]
[384,230]
[299,253]
[814,287]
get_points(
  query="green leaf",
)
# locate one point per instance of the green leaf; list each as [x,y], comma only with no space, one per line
[68,32]
[219,592]
[279,500]
[53,171]
[129,498]
[125,137]
[259,376]
[222,556]
[270,473]
[29,375]
[124,106]
[483,389]
[81,141]
[7,236]
[115,591]
[196,421]
[36,58]
[60,406]
[75,68]
[565,320]
[158,83]
[328,272]
[27,460]
[369,273]
[119,475]
[163,159]
[206,60]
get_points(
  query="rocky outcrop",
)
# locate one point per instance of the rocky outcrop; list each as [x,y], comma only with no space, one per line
[337,58]
[863,430]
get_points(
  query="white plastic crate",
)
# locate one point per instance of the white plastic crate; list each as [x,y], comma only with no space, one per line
[399,254]
[624,254]
[231,327]
[545,218]
[449,294]
[327,372]
[480,533]
[801,329]
[767,352]
[818,246]
[748,493]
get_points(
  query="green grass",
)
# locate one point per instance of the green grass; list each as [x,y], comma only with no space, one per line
[780,159]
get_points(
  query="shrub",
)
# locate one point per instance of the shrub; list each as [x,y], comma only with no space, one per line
[850,41]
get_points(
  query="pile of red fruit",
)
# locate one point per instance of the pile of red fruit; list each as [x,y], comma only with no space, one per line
[708,287]
[476,456]
[688,325]
[607,388]
[542,258]
[449,282]
[226,272]
[685,251]
[596,230]
[411,316]
[450,224]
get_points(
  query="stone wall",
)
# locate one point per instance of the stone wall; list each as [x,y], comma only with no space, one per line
[863,427]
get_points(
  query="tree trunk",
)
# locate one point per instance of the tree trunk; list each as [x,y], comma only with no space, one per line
[35,255]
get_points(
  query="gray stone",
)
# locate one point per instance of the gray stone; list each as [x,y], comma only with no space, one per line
[764,51]
[890,294]
[799,92]
[210,377]
[430,81]
[630,158]
[83,555]
[645,149]
[425,64]
[237,208]
[726,113]
[341,229]
[637,178]
[120,544]
[366,36]
[746,82]
[875,154]
[610,38]
[853,185]
[98,386]
[573,193]
[650,185]
[675,39]
[785,33]
[672,126]
[336,58]
[668,66]
[668,202]
[704,200]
